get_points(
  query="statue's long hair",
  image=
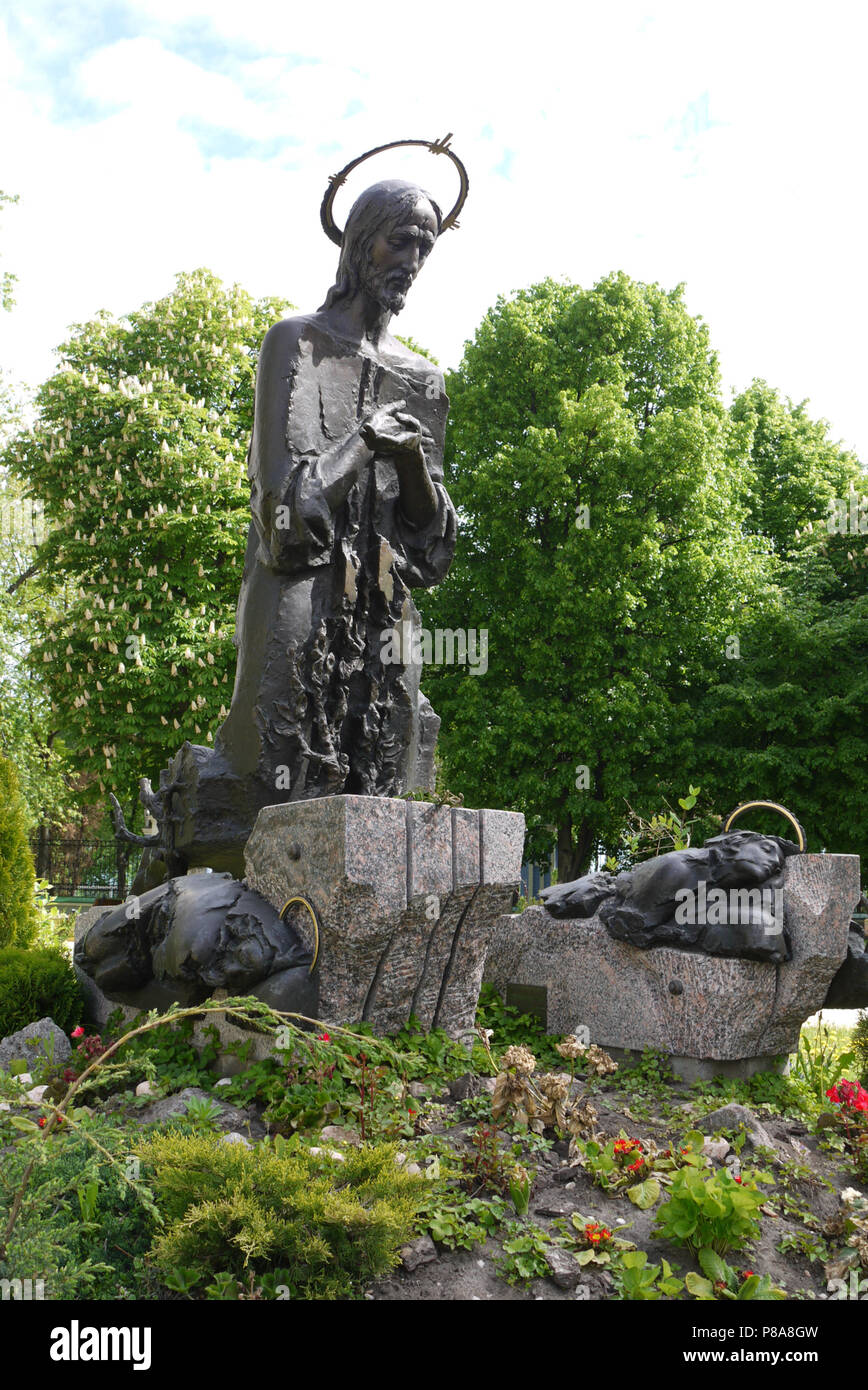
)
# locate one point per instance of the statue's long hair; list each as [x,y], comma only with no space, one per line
[723,849]
[381,207]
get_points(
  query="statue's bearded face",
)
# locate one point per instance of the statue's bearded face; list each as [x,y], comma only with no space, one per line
[396,256]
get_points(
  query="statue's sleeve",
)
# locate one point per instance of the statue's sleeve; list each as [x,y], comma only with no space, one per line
[290,511]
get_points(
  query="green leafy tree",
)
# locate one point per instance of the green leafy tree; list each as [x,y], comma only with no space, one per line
[26,733]
[28,597]
[17,875]
[788,719]
[137,456]
[596,474]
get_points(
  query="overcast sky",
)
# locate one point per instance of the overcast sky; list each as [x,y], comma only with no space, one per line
[718,144]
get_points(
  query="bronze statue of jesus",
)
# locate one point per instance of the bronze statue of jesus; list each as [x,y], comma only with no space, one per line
[349,515]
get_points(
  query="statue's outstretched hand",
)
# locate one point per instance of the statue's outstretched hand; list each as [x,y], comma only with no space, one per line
[392,430]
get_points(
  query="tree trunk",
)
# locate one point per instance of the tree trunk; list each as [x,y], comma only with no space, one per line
[42,851]
[574,857]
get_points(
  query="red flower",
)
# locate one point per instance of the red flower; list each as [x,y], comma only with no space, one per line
[737,1179]
[42,1122]
[849,1094]
[634,1167]
[410,1112]
[324,1037]
[77,1032]
[747,1274]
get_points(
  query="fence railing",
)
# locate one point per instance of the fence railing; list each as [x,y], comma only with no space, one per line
[89,869]
[86,869]
[537,876]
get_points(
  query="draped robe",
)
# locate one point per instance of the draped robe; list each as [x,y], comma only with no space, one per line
[316,710]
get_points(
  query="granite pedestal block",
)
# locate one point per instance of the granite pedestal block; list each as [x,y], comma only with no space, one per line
[406,893]
[687,1004]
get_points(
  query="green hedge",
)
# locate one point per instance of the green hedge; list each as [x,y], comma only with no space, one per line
[38,984]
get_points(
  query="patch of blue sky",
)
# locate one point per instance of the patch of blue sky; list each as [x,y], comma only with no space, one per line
[693,122]
[53,39]
[504,168]
[200,43]
[220,142]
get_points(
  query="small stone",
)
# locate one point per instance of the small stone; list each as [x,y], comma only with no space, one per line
[23,1079]
[465,1087]
[559,1209]
[38,1042]
[420,1252]
[412,1168]
[144,1088]
[569,1186]
[480,1264]
[234,1138]
[563,1269]
[4,1105]
[400,1160]
[37,1093]
[734,1117]
[224,1081]
[340,1135]
[417,1089]
[716,1148]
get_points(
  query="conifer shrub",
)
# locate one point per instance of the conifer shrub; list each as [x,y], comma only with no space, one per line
[328,1226]
[38,984]
[860,1046]
[17,872]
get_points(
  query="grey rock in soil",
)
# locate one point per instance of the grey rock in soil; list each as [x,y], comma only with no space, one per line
[230,1119]
[564,1270]
[421,1252]
[233,1137]
[732,1117]
[38,1042]
[339,1134]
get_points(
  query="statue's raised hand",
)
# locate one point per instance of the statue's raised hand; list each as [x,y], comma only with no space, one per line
[391,430]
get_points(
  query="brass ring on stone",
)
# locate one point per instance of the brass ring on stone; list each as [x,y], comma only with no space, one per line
[770,806]
[334,233]
[304,902]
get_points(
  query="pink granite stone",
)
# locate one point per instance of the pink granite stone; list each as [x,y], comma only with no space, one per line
[397,935]
[685,1003]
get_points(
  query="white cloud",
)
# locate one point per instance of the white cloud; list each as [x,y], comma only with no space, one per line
[601,110]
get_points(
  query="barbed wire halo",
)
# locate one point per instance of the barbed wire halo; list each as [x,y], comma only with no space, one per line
[336,181]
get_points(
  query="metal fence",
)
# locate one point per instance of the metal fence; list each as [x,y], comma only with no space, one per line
[537,876]
[86,869]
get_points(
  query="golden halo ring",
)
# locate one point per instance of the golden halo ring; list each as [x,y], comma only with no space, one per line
[336,181]
[304,903]
[770,806]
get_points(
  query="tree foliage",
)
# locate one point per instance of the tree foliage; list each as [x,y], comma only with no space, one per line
[137,455]
[789,720]
[598,480]
[17,875]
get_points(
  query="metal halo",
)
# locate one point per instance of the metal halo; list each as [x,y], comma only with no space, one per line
[771,806]
[304,903]
[336,181]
